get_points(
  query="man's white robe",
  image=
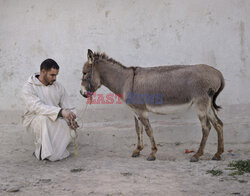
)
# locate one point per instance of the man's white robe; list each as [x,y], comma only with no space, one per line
[43,103]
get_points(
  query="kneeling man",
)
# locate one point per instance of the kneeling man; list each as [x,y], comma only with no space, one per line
[49,114]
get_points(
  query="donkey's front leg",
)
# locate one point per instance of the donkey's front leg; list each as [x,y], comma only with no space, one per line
[139,131]
[149,132]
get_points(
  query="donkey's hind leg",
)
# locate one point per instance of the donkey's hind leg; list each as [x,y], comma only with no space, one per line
[139,131]
[202,114]
[218,125]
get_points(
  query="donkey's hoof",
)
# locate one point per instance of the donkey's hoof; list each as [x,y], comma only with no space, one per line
[151,158]
[135,154]
[216,158]
[194,159]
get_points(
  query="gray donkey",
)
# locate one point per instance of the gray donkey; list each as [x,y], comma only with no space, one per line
[159,90]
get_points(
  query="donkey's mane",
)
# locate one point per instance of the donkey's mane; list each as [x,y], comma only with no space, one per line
[102,56]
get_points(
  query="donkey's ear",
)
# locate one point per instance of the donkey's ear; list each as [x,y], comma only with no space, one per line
[90,56]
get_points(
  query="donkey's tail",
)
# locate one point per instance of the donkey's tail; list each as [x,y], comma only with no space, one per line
[216,107]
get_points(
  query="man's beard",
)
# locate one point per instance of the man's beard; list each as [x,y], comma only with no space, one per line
[47,80]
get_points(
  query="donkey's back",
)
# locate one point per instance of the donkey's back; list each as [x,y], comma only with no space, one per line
[179,84]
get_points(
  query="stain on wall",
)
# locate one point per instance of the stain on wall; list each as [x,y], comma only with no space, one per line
[242,41]
[243,56]
[107,13]
[136,43]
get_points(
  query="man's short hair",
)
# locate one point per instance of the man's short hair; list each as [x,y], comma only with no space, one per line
[49,64]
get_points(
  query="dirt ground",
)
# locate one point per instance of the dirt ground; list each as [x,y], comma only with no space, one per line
[104,165]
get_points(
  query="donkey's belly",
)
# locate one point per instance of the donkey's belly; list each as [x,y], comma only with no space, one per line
[168,109]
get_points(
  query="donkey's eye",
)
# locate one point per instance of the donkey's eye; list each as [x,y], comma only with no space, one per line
[84,73]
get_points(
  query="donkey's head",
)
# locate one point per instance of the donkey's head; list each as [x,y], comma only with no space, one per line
[90,76]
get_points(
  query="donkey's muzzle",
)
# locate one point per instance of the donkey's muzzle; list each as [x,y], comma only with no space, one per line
[84,94]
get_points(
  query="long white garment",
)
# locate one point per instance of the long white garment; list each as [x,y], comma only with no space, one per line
[43,103]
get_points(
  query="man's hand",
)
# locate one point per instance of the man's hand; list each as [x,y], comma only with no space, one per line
[73,124]
[68,115]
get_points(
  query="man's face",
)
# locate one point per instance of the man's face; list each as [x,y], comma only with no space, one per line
[50,76]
